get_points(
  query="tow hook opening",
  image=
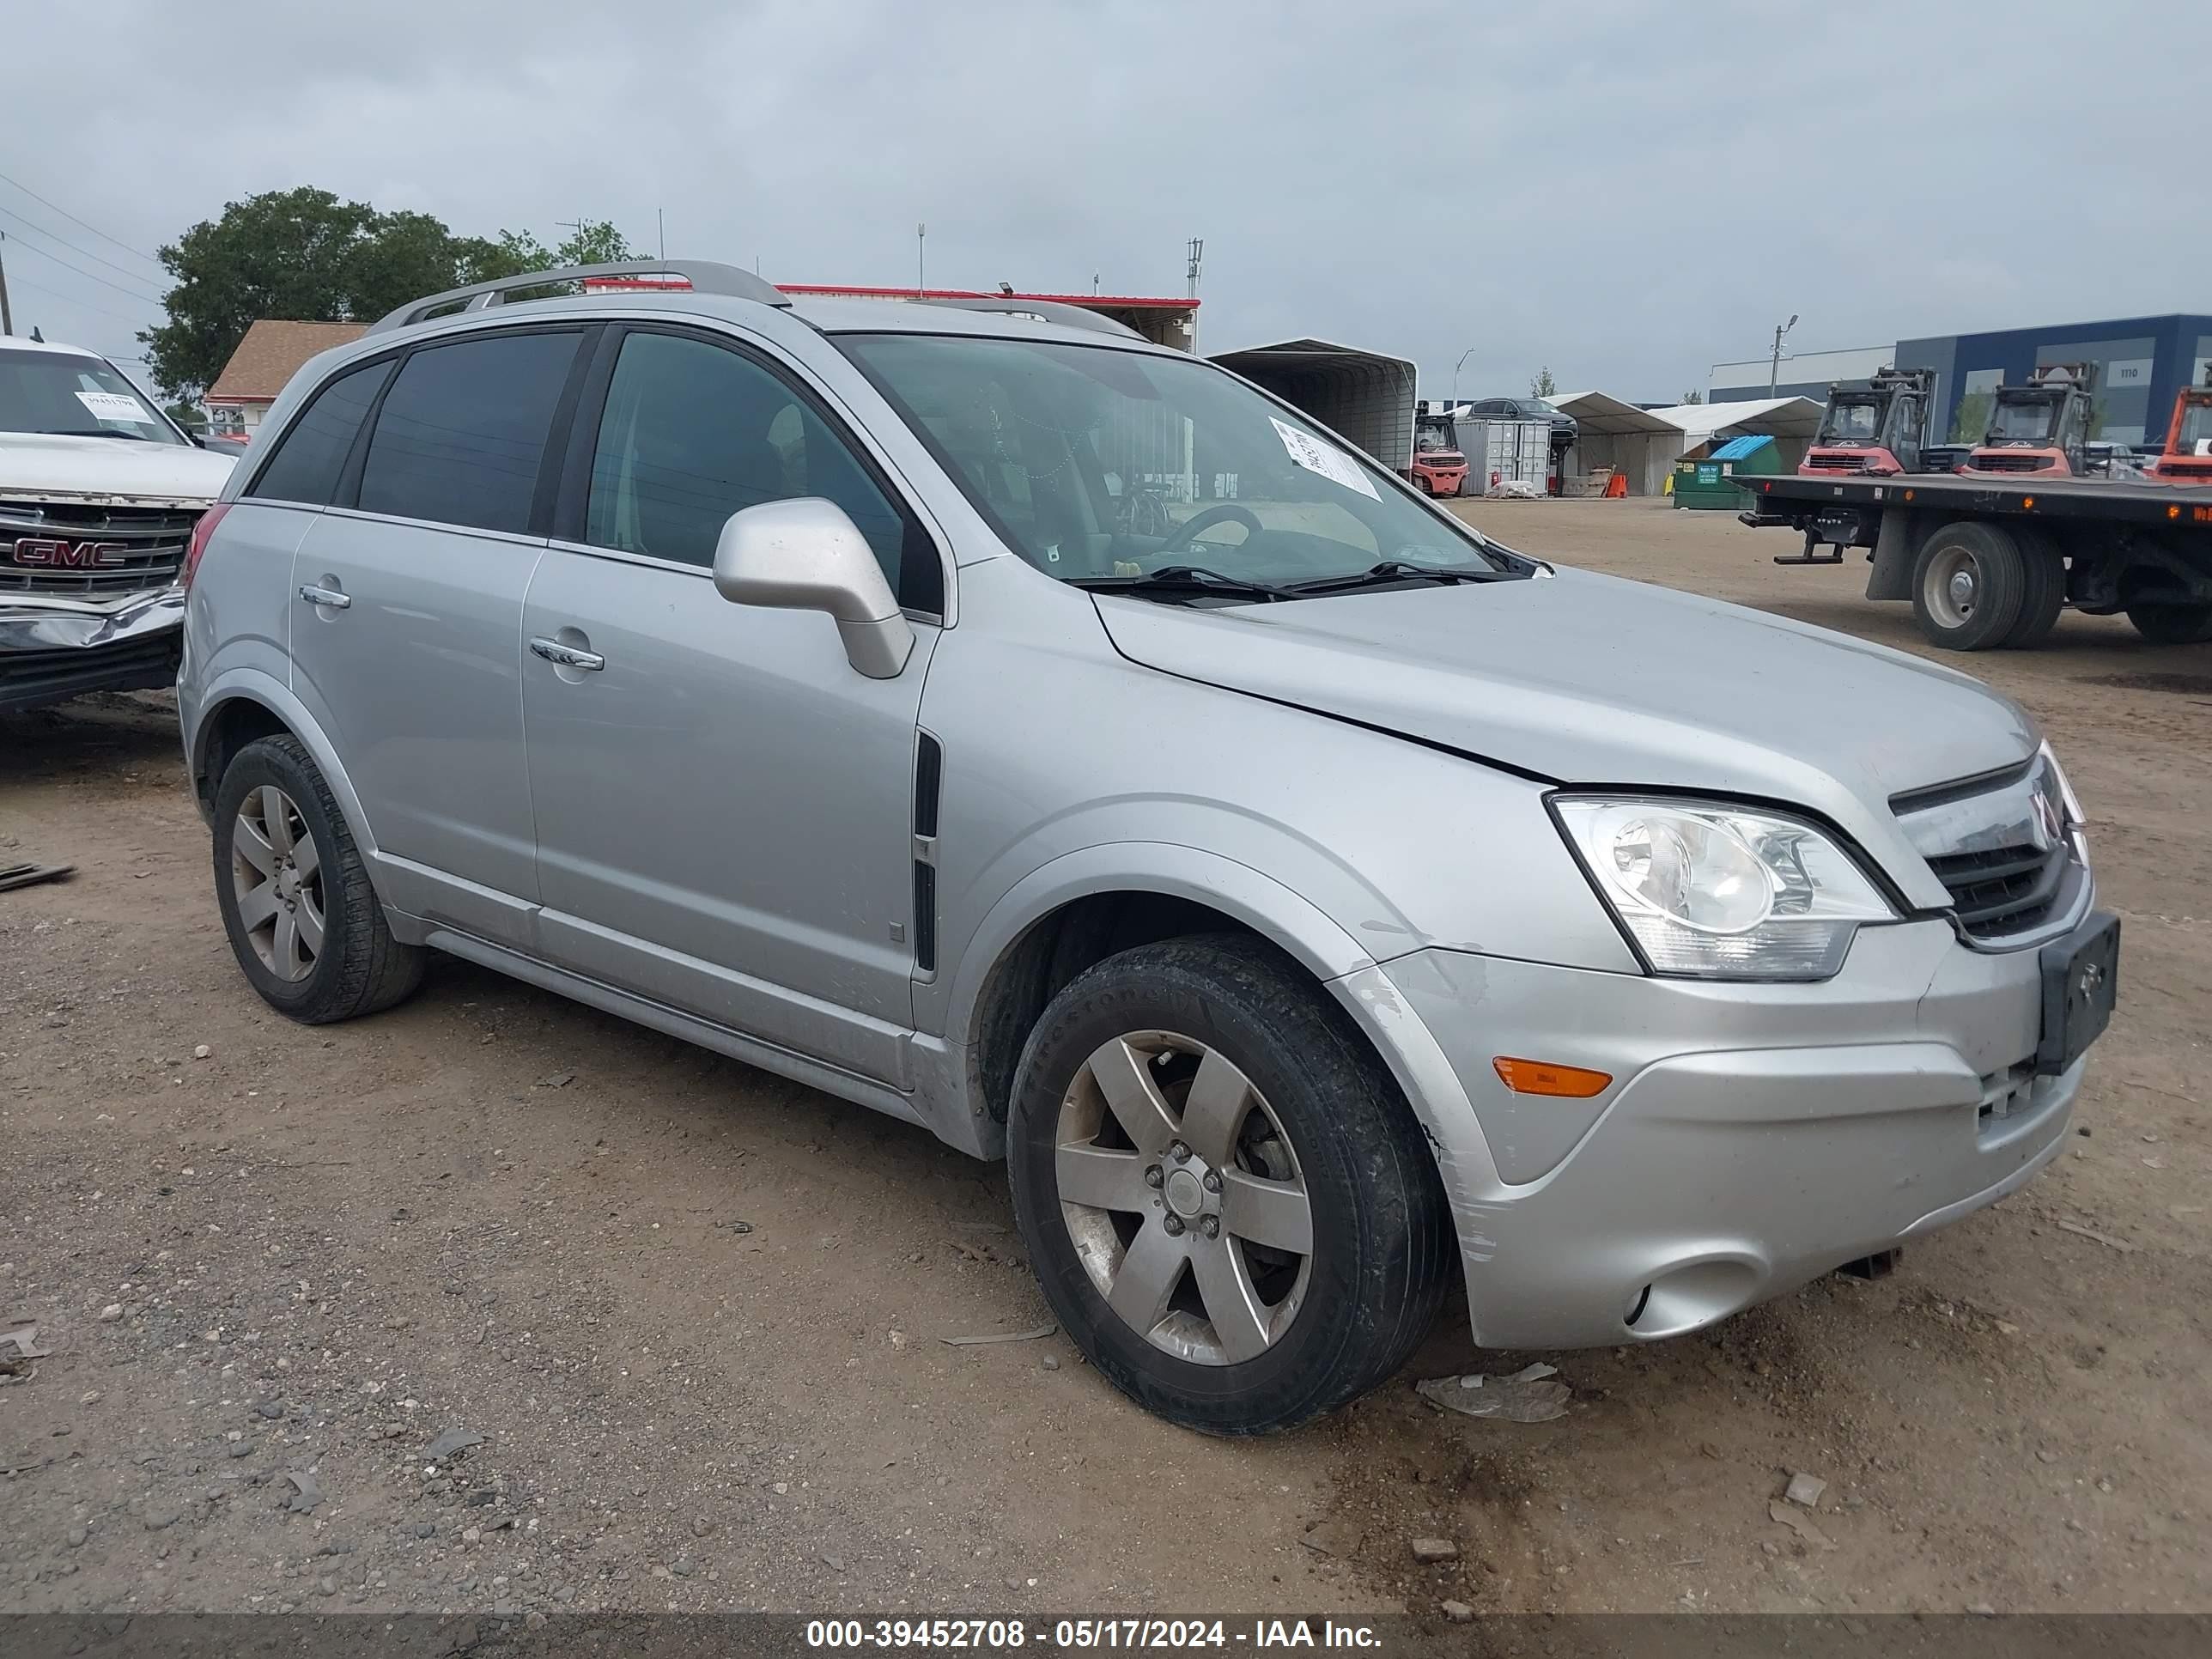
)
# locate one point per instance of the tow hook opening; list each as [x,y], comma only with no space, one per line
[1636,1312]
[1879,1265]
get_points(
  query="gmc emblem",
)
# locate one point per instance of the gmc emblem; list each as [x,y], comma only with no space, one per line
[50,554]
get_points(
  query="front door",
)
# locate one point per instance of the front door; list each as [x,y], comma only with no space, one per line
[407,621]
[723,805]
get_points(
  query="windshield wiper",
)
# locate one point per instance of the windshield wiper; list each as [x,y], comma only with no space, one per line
[1398,570]
[92,432]
[1184,579]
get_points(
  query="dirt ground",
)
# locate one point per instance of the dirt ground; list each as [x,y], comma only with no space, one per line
[695,1311]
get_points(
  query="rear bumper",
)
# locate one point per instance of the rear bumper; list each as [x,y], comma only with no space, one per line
[1756,1136]
[49,655]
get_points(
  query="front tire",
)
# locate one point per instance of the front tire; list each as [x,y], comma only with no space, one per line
[303,920]
[2173,624]
[1230,1207]
[1969,587]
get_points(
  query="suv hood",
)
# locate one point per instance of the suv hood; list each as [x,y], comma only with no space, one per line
[102,469]
[1592,680]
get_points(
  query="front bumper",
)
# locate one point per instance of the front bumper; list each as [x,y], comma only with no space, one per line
[48,654]
[1754,1137]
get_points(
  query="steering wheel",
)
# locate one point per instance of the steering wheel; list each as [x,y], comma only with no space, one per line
[1181,536]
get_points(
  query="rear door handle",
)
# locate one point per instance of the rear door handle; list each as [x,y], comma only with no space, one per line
[567,656]
[327,596]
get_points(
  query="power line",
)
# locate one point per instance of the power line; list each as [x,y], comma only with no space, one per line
[74,220]
[37,229]
[91,276]
[22,282]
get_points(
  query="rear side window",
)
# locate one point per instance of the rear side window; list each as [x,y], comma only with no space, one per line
[312,451]
[693,431]
[463,430]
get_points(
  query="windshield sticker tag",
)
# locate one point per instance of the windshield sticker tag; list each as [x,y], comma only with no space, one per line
[115,406]
[2204,445]
[1331,463]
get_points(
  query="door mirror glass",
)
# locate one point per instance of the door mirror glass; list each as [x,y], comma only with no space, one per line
[807,555]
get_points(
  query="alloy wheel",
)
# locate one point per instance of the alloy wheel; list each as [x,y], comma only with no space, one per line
[277,876]
[1183,1197]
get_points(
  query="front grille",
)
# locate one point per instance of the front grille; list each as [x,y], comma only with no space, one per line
[2005,848]
[2005,889]
[143,549]
[1836,463]
[1999,461]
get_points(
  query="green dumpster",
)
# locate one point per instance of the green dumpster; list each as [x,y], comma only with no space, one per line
[1707,484]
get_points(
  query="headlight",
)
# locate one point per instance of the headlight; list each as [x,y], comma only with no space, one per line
[1709,892]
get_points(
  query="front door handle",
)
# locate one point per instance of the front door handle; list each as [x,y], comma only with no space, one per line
[326,596]
[567,656]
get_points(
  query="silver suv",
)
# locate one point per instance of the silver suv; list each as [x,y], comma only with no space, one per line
[1053,741]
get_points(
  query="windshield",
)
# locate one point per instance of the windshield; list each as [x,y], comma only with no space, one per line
[1434,438]
[1097,462]
[1856,421]
[59,391]
[2195,437]
[2021,423]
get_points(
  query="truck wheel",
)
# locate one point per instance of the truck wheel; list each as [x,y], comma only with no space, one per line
[2173,624]
[2044,595]
[1230,1207]
[1968,586]
[294,896]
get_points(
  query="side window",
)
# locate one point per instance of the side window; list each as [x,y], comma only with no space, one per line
[313,452]
[463,430]
[693,431]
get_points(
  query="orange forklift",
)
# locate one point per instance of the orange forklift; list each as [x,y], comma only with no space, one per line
[1877,429]
[2187,458]
[2039,429]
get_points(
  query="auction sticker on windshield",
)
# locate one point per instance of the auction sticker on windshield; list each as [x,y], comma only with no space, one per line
[115,406]
[1331,463]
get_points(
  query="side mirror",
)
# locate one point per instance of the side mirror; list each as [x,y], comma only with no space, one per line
[807,555]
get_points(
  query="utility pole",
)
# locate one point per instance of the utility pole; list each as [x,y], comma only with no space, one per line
[1197,256]
[920,267]
[1774,366]
[7,317]
[660,221]
[1456,367]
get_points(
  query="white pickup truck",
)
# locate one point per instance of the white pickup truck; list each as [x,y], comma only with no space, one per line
[98,493]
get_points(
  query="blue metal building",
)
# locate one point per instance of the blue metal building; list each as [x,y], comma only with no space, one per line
[2142,362]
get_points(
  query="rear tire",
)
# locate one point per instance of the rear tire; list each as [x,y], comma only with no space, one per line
[1969,585]
[1331,1243]
[303,920]
[2173,624]
[2044,591]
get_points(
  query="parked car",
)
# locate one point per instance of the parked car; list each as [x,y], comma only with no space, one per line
[1311,899]
[1529,409]
[99,493]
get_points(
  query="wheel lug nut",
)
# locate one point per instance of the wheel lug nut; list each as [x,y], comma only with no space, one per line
[1213,1180]
[1180,1152]
[1172,1221]
[1210,1226]
[1152,1176]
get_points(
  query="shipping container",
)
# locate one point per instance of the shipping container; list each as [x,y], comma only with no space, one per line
[1503,452]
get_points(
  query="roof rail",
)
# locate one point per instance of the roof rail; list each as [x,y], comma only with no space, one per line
[1049,310]
[704,276]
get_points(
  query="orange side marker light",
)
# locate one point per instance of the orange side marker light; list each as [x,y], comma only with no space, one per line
[1541,1077]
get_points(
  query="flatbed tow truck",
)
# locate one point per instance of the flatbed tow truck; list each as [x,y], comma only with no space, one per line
[1989,562]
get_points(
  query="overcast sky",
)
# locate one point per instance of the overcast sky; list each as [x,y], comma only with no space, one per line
[1626,192]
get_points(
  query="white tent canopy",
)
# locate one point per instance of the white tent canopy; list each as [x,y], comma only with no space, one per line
[1365,397]
[1645,443]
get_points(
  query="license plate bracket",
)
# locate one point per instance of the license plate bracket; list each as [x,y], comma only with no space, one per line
[2080,984]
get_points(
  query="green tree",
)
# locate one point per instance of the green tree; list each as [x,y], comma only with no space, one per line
[1693,396]
[304,255]
[1543,386]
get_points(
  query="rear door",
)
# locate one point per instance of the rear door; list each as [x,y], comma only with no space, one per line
[724,806]
[407,617]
